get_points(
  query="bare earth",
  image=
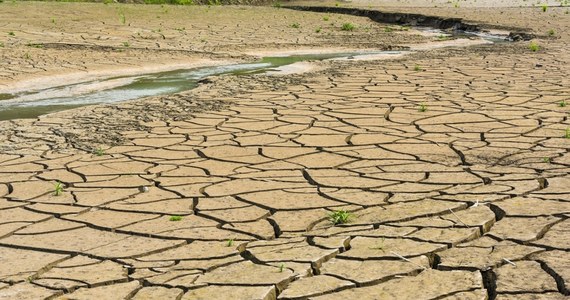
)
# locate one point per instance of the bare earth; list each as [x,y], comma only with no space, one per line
[224,192]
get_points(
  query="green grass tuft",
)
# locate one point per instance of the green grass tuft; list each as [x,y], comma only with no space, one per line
[175,218]
[533,46]
[347,27]
[340,217]
[58,189]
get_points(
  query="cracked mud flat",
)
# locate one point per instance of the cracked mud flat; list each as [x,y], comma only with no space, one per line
[469,199]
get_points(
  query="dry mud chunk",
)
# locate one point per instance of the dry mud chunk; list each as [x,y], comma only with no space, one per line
[483,257]
[532,207]
[373,271]
[314,286]
[427,285]
[195,250]
[17,264]
[115,291]
[26,291]
[375,248]
[247,273]
[558,236]
[557,264]
[235,292]
[92,274]
[522,229]
[157,292]
[526,276]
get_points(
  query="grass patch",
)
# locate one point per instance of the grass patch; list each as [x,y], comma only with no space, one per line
[58,189]
[533,46]
[99,151]
[295,25]
[551,32]
[422,107]
[281,268]
[229,242]
[544,7]
[318,30]
[417,68]
[175,2]
[563,103]
[175,218]
[347,27]
[567,133]
[340,217]
[11,33]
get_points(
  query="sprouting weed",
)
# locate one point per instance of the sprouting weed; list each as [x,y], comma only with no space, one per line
[175,218]
[295,25]
[551,32]
[229,242]
[562,103]
[340,217]
[567,133]
[99,151]
[546,160]
[533,46]
[417,68]
[58,189]
[347,27]
[281,268]
[422,107]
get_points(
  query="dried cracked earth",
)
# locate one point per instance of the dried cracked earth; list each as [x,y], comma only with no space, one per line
[467,198]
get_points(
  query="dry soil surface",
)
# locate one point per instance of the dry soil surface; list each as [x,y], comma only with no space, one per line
[455,175]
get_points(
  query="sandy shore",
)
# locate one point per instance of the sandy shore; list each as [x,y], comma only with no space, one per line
[443,174]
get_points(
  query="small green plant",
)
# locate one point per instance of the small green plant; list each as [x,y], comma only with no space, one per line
[11,33]
[567,133]
[39,45]
[107,2]
[27,56]
[562,103]
[546,160]
[551,32]
[326,18]
[544,7]
[340,217]
[277,4]
[175,218]
[99,151]
[533,46]
[347,27]
[388,29]
[229,242]
[417,68]
[295,25]
[122,18]
[126,44]
[1,45]
[422,107]
[281,268]
[318,29]
[58,189]
[53,20]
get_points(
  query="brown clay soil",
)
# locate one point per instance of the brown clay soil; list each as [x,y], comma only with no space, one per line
[455,173]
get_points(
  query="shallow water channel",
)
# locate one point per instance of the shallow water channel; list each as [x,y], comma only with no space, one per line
[116,89]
